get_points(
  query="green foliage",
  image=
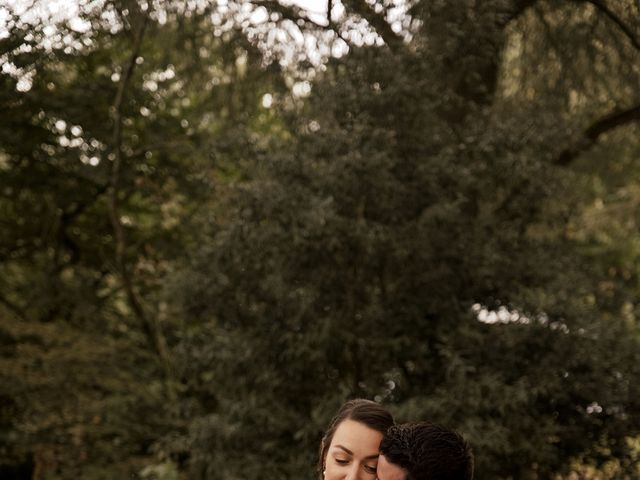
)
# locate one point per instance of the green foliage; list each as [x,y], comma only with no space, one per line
[436,226]
[351,264]
[72,401]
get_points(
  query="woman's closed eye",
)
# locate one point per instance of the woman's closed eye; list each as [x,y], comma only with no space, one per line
[370,468]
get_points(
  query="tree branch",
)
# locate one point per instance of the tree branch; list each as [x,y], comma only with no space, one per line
[13,307]
[149,324]
[591,135]
[518,9]
[290,12]
[599,5]
[296,14]
[377,22]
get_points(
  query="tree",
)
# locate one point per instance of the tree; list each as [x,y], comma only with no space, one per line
[426,181]
[106,151]
[442,224]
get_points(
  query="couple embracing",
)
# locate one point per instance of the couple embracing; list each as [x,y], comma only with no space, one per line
[363,443]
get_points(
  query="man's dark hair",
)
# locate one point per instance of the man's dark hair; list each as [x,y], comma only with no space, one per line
[428,452]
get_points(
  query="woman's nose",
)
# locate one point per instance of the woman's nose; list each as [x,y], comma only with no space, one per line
[353,473]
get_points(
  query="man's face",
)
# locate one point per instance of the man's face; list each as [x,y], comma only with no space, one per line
[390,471]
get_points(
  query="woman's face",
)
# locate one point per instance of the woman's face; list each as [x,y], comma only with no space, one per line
[353,452]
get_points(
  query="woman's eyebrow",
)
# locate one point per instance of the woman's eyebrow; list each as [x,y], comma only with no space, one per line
[345,449]
[368,457]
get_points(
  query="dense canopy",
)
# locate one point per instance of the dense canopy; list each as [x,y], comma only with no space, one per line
[221,219]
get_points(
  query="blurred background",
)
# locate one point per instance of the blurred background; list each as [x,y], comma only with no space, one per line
[221,219]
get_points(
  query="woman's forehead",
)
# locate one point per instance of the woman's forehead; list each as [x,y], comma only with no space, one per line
[357,438]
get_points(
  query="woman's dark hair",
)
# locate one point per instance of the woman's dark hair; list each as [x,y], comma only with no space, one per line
[369,413]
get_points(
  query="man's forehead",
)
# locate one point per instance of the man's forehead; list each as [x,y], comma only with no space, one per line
[390,471]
